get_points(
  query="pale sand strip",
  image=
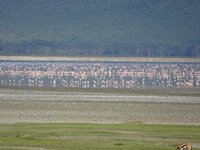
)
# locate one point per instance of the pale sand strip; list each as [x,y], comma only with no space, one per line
[100,59]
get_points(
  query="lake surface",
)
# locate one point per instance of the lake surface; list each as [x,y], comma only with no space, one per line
[100,74]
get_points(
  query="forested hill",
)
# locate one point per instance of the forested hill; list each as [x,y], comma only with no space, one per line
[147,28]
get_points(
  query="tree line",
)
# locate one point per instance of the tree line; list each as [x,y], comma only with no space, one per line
[44,48]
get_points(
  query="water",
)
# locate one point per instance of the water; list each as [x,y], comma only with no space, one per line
[100,74]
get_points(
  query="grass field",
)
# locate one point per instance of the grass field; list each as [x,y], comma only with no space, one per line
[72,136]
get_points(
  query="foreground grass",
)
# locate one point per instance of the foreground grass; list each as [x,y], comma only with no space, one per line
[69,136]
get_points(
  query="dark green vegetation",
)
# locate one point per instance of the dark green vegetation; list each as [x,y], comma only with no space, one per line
[127,136]
[148,28]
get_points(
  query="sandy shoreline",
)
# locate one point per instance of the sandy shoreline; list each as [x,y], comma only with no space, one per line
[100,59]
[48,106]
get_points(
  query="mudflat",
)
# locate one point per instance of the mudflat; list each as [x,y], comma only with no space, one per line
[23,105]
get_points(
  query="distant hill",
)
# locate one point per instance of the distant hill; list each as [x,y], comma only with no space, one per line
[150,28]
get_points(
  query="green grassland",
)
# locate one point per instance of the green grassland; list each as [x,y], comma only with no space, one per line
[70,136]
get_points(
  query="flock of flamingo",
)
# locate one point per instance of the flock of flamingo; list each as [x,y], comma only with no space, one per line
[102,75]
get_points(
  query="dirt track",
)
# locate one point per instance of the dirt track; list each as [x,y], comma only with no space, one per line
[49,106]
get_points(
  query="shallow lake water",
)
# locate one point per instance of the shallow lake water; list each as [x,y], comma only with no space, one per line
[100,74]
